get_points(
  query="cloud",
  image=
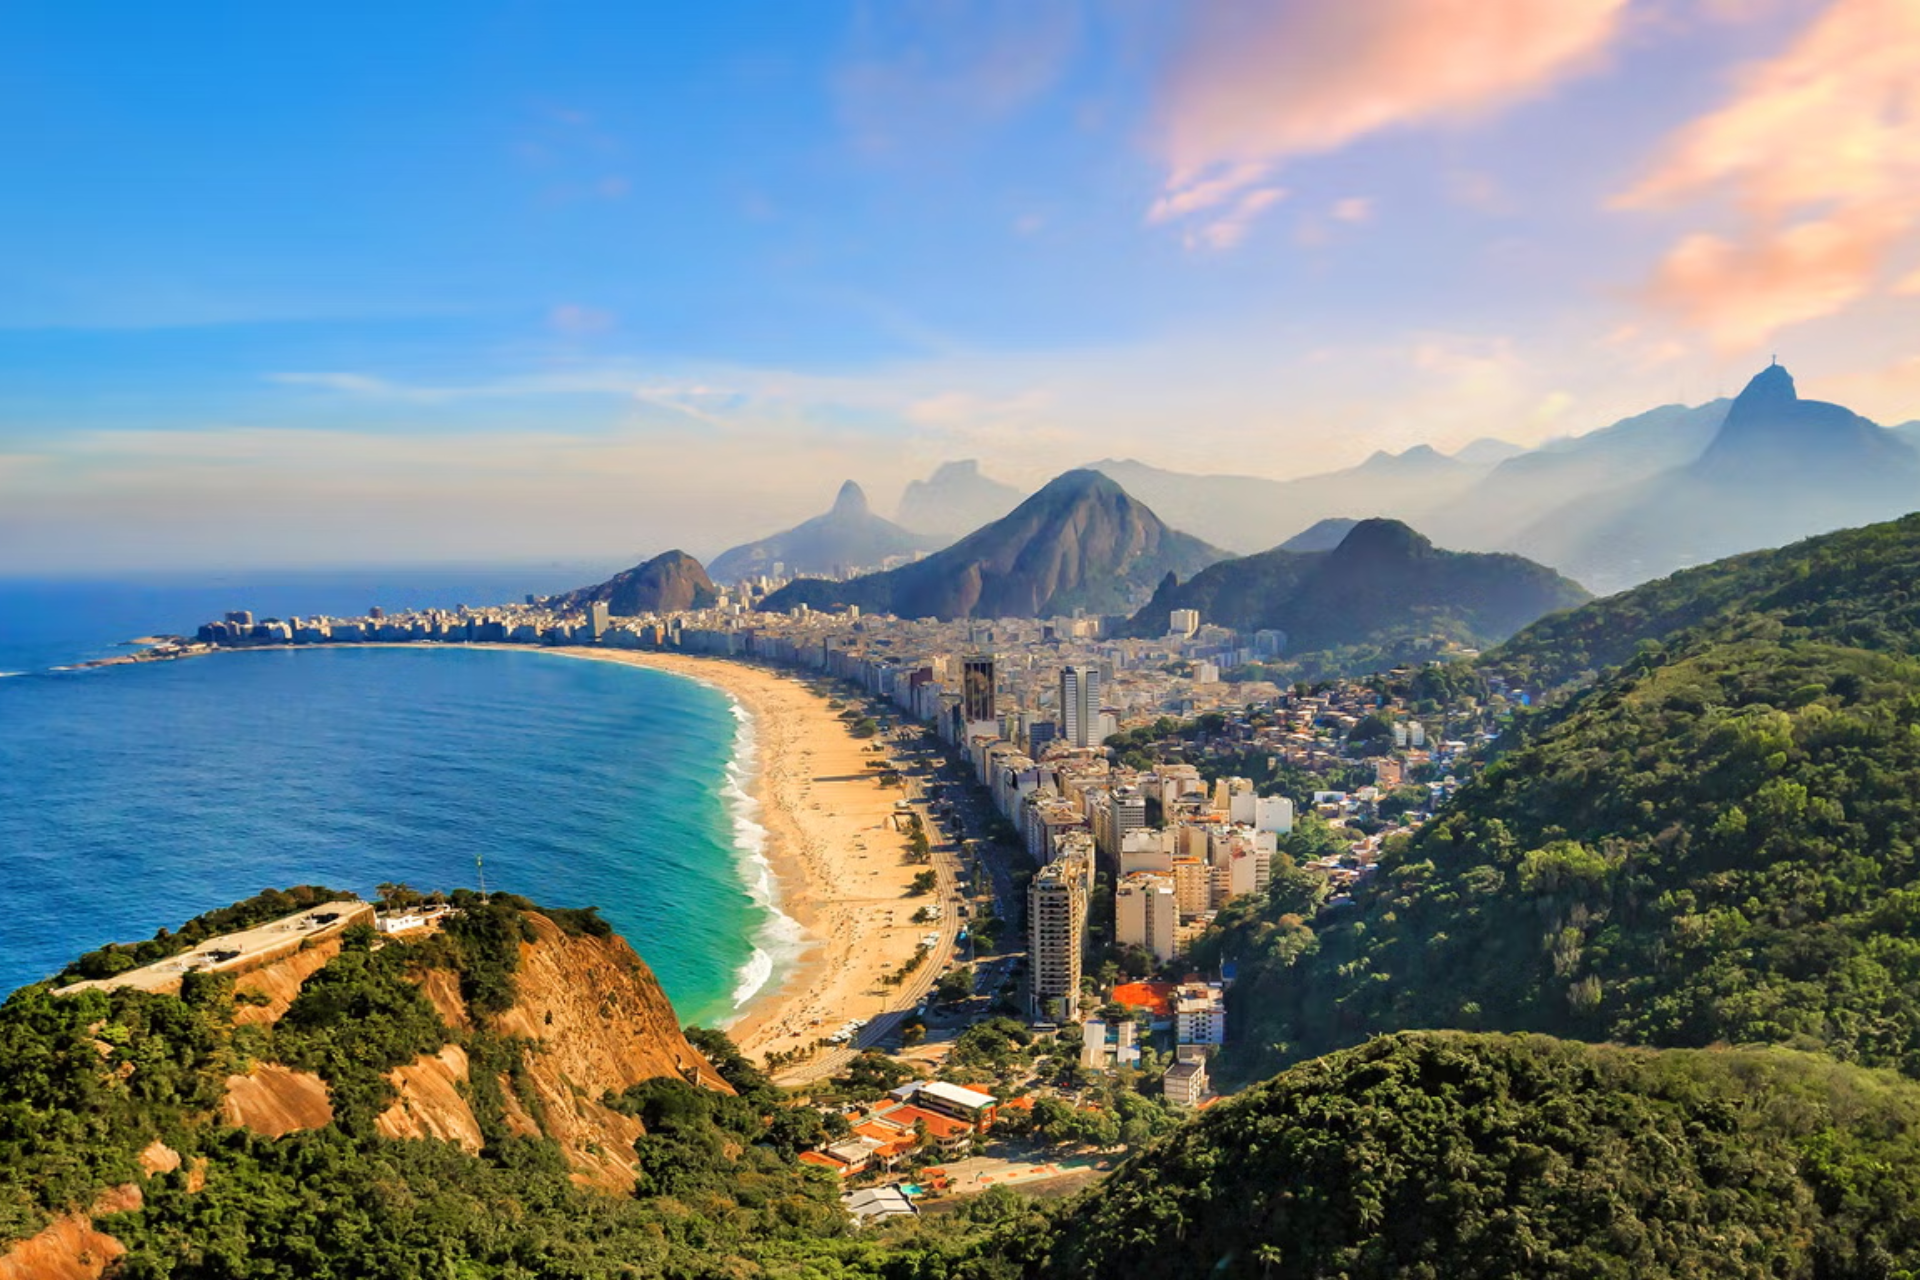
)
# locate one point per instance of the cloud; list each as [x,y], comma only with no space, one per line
[1231,228]
[1262,81]
[1909,285]
[576,320]
[1353,209]
[1816,155]
[922,72]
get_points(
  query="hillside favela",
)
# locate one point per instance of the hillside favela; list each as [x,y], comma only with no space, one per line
[957,640]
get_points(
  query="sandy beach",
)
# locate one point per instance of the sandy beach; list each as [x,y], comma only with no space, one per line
[840,864]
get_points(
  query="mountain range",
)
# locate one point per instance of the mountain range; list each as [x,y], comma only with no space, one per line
[1080,543]
[1380,583]
[1248,513]
[1777,468]
[849,536]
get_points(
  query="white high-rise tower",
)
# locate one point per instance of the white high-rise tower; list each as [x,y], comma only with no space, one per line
[1080,706]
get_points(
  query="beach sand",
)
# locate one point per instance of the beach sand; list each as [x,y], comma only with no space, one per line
[840,863]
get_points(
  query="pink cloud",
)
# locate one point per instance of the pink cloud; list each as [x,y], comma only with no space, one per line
[1353,209]
[1229,229]
[1817,152]
[1261,81]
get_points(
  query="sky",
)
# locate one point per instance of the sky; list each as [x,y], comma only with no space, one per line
[354,283]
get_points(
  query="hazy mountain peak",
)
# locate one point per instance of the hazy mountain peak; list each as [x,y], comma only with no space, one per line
[851,501]
[1770,387]
[955,498]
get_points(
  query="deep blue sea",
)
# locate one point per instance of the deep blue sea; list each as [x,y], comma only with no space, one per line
[135,797]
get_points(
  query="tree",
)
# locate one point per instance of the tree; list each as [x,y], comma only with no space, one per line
[923,882]
[955,985]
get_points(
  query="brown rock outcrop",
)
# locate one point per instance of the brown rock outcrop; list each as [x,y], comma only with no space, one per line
[280,982]
[274,1100]
[431,1104]
[600,1022]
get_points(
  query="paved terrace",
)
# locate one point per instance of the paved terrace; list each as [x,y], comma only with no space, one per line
[242,951]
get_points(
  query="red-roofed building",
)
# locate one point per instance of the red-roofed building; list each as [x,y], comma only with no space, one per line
[840,1168]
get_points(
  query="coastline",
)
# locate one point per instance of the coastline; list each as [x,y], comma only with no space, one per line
[838,867]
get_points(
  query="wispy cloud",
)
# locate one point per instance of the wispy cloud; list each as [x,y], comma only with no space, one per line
[577,320]
[1817,154]
[922,70]
[1262,81]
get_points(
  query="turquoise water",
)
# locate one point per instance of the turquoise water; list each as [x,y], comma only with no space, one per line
[135,797]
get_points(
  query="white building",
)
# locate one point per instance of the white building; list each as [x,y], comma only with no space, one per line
[1080,706]
[1183,622]
[1146,910]
[1200,1014]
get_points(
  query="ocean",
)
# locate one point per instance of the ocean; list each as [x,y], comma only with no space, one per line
[135,797]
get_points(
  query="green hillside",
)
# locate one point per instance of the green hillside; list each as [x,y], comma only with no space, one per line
[1854,587]
[1714,842]
[1451,1155]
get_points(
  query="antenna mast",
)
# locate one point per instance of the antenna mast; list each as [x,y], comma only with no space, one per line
[480,866]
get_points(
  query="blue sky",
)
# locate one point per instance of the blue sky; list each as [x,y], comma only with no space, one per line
[638,275]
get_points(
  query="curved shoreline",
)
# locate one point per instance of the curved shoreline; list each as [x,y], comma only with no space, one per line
[839,868]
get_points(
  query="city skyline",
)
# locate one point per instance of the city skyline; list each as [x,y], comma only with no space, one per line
[356,283]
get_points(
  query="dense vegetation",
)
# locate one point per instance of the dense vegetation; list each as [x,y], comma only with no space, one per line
[1715,842]
[1856,587]
[1454,1155]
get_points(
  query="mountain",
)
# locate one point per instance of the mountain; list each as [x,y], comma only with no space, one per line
[668,583]
[1323,536]
[954,499]
[1778,468]
[1709,843]
[1246,513]
[1503,1156]
[847,537]
[1514,506]
[1082,542]
[1382,583]
[1488,452]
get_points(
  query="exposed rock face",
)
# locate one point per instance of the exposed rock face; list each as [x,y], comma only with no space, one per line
[274,1100]
[431,1102]
[592,1010]
[848,537]
[1080,543]
[670,582]
[68,1248]
[280,982]
[600,1023]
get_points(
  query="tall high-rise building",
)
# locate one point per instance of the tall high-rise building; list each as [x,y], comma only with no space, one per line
[976,688]
[1080,706]
[1057,900]
[597,619]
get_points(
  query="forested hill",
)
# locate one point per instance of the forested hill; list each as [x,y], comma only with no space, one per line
[1717,841]
[1857,586]
[1381,582]
[1498,1156]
